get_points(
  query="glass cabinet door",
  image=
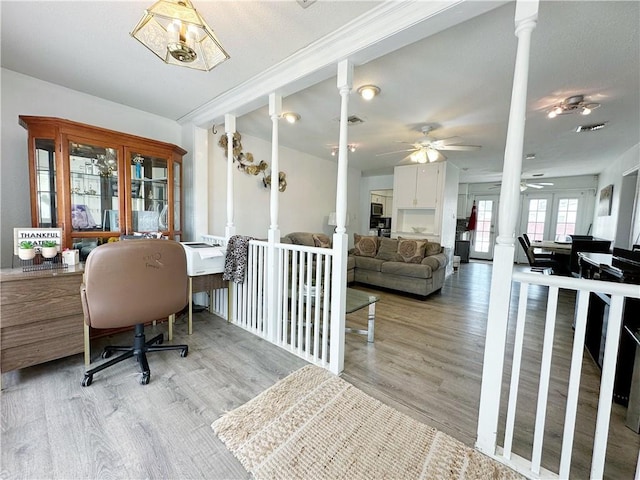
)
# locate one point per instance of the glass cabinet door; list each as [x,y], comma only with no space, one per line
[46,198]
[149,194]
[177,195]
[93,183]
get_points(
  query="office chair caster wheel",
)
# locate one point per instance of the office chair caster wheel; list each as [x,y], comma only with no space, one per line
[184,352]
[86,381]
[107,353]
[144,380]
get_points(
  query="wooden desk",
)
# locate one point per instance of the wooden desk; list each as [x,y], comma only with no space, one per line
[41,316]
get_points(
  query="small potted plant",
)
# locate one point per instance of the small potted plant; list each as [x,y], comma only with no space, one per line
[49,249]
[26,250]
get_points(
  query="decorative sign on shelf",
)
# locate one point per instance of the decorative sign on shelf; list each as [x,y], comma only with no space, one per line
[35,235]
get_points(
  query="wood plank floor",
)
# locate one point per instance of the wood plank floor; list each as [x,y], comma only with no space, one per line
[426,362]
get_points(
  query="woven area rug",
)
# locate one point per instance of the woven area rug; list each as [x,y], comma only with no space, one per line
[314,425]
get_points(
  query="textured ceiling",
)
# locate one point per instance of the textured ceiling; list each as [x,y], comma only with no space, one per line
[458,80]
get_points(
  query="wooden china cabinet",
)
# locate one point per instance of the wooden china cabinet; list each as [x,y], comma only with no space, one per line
[98,184]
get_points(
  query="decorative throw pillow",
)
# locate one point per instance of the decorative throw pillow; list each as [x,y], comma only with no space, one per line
[321,240]
[388,250]
[432,248]
[365,246]
[411,251]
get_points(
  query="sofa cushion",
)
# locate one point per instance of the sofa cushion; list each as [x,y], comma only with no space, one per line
[432,248]
[369,263]
[407,269]
[351,262]
[365,246]
[302,238]
[411,251]
[321,240]
[388,250]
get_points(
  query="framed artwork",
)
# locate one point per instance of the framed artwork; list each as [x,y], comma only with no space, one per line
[604,204]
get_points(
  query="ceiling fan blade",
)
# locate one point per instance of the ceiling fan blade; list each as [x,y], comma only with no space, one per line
[534,185]
[397,151]
[461,148]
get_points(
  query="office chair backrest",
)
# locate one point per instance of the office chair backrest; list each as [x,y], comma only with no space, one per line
[126,283]
[526,239]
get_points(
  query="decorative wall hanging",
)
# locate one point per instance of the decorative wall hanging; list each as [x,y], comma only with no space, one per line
[245,160]
[604,205]
[282,181]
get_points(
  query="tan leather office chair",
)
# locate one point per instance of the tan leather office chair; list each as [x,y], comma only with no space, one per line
[130,284]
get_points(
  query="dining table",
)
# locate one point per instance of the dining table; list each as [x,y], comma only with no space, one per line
[560,248]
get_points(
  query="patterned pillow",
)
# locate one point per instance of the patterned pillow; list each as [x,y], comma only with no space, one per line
[432,248]
[365,246]
[321,240]
[411,251]
[389,250]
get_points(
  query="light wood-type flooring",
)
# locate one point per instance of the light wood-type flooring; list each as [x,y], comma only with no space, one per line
[426,361]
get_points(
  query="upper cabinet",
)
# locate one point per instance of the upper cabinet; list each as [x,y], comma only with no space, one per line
[96,184]
[416,186]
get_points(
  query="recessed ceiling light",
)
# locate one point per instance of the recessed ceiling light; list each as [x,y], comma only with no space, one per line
[530,156]
[291,117]
[368,91]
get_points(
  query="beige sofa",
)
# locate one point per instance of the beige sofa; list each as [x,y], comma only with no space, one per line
[406,265]
[414,266]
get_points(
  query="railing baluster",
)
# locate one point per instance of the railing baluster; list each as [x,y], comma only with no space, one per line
[515,368]
[545,375]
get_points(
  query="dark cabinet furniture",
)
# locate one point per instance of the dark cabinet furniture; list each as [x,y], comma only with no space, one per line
[462,250]
[621,266]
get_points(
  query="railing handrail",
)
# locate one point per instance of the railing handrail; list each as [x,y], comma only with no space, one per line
[572,283]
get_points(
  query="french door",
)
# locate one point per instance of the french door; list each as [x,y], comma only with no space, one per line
[483,238]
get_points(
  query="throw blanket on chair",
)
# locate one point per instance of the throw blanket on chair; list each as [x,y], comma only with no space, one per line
[235,263]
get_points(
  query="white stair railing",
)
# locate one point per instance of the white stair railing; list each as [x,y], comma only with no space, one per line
[531,465]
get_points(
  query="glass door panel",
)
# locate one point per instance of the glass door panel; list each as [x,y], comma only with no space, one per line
[177,195]
[45,158]
[149,195]
[93,182]
[483,239]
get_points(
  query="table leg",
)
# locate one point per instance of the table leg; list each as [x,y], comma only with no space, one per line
[190,329]
[372,321]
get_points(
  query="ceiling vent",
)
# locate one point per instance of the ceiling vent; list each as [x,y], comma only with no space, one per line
[591,128]
[354,120]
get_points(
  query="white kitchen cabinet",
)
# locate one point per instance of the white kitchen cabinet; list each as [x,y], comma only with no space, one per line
[425,203]
[417,186]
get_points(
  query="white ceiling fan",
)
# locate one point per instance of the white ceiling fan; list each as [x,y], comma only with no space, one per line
[430,149]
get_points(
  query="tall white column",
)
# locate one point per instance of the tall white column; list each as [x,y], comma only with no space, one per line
[275,112]
[339,274]
[504,252]
[230,129]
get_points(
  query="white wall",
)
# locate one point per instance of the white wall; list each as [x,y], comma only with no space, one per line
[449,212]
[305,204]
[605,227]
[23,95]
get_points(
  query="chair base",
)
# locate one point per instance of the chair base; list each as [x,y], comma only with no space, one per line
[139,349]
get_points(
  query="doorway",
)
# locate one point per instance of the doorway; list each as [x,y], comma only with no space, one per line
[627,207]
[483,238]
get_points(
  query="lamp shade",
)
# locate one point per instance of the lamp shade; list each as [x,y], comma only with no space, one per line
[333,220]
[177,34]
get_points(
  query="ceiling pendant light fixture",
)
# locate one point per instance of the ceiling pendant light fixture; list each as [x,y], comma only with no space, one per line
[573,104]
[291,117]
[178,35]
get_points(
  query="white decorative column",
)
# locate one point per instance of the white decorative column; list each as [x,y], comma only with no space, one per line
[230,129]
[339,274]
[525,19]
[275,112]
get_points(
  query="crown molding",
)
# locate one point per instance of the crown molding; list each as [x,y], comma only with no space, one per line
[383,29]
